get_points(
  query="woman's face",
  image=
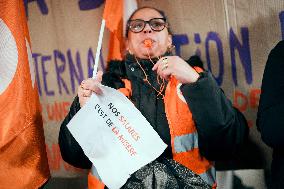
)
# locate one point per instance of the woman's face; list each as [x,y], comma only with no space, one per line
[161,40]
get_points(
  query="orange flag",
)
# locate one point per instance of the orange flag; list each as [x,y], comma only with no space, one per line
[23,159]
[113,13]
[116,12]
[116,44]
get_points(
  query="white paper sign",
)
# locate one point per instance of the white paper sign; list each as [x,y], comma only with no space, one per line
[115,136]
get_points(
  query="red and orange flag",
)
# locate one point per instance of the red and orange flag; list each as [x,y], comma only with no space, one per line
[23,158]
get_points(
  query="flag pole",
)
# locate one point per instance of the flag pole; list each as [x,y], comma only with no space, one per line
[99,48]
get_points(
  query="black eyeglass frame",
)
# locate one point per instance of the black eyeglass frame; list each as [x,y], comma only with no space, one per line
[147,22]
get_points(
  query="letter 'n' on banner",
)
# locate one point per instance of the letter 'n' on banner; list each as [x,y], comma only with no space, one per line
[23,158]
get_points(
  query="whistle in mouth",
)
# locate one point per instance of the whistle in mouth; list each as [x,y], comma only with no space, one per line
[148,43]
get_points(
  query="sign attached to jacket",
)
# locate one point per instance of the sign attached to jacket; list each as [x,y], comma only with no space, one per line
[115,136]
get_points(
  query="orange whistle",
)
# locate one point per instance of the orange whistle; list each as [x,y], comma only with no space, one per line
[148,43]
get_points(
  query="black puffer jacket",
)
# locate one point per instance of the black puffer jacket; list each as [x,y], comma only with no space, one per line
[221,128]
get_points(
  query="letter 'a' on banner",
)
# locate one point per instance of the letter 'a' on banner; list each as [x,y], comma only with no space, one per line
[23,158]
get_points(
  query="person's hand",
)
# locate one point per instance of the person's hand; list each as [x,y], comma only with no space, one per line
[175,66]
[89,86]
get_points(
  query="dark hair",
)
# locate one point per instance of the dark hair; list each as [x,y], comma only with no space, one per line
[162,13]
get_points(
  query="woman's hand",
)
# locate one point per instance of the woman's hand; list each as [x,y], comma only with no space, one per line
[89,86]
[174,65]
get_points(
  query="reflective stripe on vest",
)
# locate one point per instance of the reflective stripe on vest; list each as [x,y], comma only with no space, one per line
[95,173]
[94,180]
[209,176]
[184,137]
[185,143]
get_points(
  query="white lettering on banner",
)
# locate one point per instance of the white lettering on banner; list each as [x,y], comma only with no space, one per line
[115,136]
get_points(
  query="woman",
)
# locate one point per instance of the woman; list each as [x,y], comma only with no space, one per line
[186,108]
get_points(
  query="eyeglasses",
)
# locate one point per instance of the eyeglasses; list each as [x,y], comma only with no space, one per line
[138,25]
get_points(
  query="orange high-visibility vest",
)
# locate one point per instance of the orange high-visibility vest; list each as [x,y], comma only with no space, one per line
[184,137]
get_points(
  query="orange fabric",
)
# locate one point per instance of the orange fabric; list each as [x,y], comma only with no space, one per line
[198,69]
[127,90]
[200,165]
[127,84]
[23,158]
[113,13]
[181,115]
[94,183]
[116,46]
[124,91]
[181,123]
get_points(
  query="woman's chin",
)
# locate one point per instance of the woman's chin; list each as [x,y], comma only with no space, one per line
[146,53]
[149,54]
